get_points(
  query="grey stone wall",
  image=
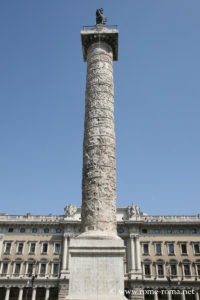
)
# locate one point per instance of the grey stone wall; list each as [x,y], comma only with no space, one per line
[99,166]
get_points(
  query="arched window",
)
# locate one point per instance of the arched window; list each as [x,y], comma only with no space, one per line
[147,268]
[186,268]
[160,268]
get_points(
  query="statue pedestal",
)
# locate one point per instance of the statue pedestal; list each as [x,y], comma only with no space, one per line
[96,268]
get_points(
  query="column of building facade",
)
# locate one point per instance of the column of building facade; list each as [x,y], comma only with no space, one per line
[137,252]
[196,295]
[47,293]
[132,244]
[7,295]
[182,295]
[1,242]
[65,252]
[155,295]
[20,296]
[169,295]
[34,293]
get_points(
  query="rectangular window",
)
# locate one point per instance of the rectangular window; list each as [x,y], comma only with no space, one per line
[20,248]
[184,249]
[17,268]
[160,270]
[44,248]
[32,248]
[147,270]
[186,269]
[171,248]
[158,249]
[57,248]
[5,268]
[197,248]
[55,269]
[156,231]
[173,270]
[7,248]
[169,231]
[43,270]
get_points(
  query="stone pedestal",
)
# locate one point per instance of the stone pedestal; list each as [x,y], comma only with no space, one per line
[96,268]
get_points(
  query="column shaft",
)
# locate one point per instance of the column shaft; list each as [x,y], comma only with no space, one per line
[7,294]
[182,295]
[196,295]
[47,294]
[65,250]
[33,294]
[132,239]
[169,295]
[138,259]
[20,294]
[99,166]
[155,295]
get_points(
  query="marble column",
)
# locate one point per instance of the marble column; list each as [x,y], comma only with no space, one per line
[1,242]
[33,294]
[132,242]
[169,295]
[65,252]
[196,295]
[99,162]
[47,294]
[155,295]
[138,259]
[7,293]
[20,296]
[182,295]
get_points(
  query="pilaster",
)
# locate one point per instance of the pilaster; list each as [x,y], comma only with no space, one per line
[65,256]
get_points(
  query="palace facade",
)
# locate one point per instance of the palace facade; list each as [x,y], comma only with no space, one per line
[162,255]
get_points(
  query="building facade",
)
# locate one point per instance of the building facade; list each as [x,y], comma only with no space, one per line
[161,261]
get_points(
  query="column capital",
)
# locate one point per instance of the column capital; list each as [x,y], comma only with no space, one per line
[68,234]
[97,34]
[134,235]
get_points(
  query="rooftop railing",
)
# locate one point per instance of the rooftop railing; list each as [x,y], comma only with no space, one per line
[111,27]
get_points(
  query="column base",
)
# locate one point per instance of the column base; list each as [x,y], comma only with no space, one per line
[64,274]
[96,269]
[135,275]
